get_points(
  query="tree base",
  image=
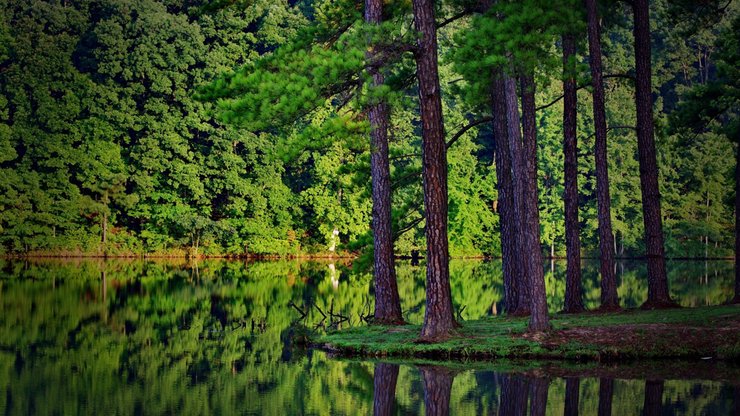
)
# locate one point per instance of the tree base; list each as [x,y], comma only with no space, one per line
[660,304]
[573,311]
[387,321]
[609,308]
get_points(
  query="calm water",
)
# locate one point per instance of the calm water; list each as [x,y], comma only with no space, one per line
[134,337]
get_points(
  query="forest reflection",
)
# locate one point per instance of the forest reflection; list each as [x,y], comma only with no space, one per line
[153,337]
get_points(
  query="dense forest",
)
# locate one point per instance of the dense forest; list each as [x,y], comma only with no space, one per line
[144,126]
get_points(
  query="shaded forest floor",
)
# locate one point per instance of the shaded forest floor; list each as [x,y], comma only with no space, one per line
[691,333]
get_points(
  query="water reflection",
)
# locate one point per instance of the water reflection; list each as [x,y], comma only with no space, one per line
[123,337]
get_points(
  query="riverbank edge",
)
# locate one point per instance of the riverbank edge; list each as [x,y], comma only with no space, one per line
[686,333]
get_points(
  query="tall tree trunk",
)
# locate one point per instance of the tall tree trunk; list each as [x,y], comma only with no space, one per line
[384,399]
[539,320]
[572,393]
[606,393]
[437,389]
[538,405]
[653,398]
[609,297]
[573,297]
[736,299]
[438,317]
[507,212]
[514,396]
[387,302]
[518,175]
[658,295]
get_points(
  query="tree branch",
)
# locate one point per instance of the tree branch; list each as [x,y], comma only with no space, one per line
[467,127]
[580,87]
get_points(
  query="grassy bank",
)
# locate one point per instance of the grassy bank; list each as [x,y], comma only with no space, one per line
[678,333]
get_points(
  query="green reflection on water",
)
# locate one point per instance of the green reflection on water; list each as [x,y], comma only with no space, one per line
[122,337]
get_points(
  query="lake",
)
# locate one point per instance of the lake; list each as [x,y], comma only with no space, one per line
[221,337]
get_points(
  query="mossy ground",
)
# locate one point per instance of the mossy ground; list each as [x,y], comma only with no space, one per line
[629,334]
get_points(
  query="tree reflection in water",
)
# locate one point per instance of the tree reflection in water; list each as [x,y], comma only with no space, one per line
[437,389]
[384,396]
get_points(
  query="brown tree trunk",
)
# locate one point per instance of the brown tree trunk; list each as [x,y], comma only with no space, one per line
[439,319]
[736,299]
[539,320]
[507,213]
[653,398]
[518,175]
[387,302]
[437,389]
[514,396]
[572,393]
[384,399]
[609,297]
[658,295]
[573,296]
[538,404]
[606,393]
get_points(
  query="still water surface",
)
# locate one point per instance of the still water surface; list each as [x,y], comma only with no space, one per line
[217,337]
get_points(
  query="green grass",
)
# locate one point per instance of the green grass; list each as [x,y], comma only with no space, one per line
[501,337]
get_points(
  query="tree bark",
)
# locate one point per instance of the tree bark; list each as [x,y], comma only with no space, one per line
[539,320]
[573,296]
[439,319]
[517,176]
[653,398]
[384,399]
[437,389]
[572,393]
[606,393]
[507,213]
[538,404]
[514,396]
[609,297]
[736,299]
[658,295]
[387,302]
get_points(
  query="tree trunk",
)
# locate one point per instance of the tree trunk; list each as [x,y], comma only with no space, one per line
[573,297]
[736,299]
[384,399]
[606,393]
[439,319]
[653,398]
[518,174]
[539,321]
[658,295]
[538,405]
[387,302]
[507,212]
[437,389]
[572,392]
[514,396]
[609,297]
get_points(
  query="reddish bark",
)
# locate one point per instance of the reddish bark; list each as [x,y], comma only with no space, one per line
[573,297]
[539,320]
[609,296]
[387,302]
[439,319]
[384,398]
[437,389]
[658,295]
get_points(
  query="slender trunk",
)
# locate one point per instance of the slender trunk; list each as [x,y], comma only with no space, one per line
[518,174]
[539,321]
[572,392]
[384,399]
[507,212]
[736,299]
[387,302]
[538,390]
[609,297]
[514,396]
[606,393]
[437,389]
[573,297]
[438,317]
[104,238]
[653,398]
[658,295]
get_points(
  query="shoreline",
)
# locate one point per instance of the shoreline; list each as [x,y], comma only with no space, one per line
[711,332]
